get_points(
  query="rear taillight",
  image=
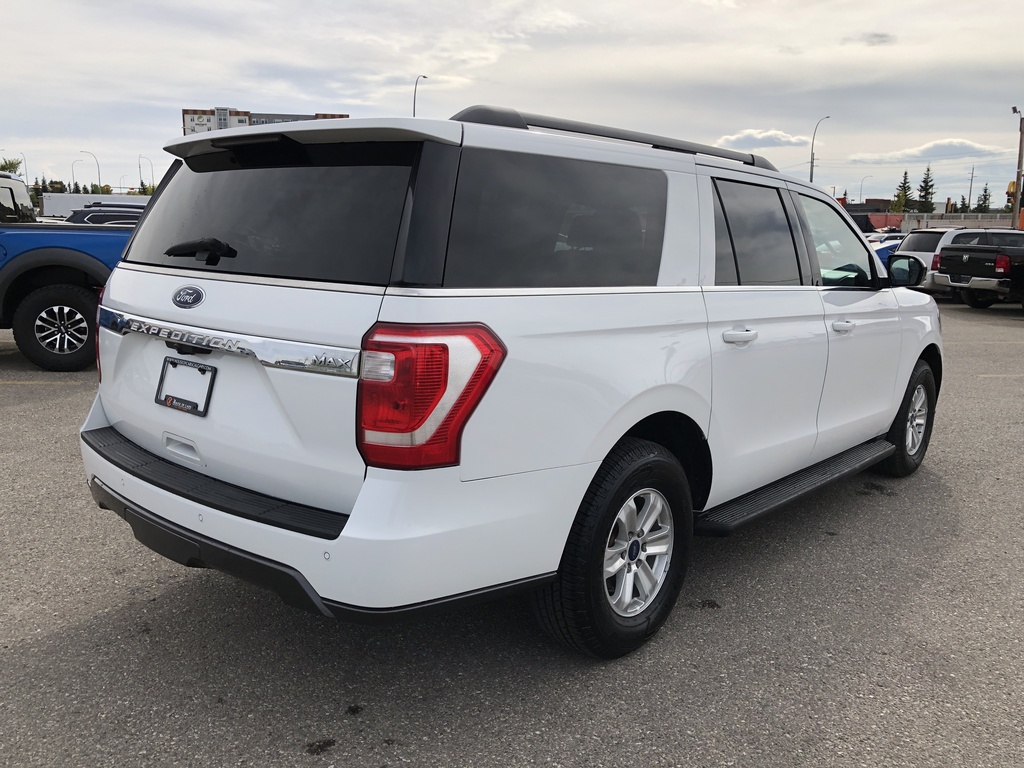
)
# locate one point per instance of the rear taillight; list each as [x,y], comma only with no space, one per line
[935,263]
[96,335]
[1002,264]
[418,386]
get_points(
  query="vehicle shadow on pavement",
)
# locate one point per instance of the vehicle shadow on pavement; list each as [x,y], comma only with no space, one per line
[204,665]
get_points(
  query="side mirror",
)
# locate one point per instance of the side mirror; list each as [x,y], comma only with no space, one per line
[905,271]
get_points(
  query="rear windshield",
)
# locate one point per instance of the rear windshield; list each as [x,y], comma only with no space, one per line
[921,242]
[533,221]
[327,212]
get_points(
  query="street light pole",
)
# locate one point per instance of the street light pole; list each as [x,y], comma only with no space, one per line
[414,87]
[862,188]
[24,166]
[1020,169]
[73,182]
[121,183]
[813,135]
[152,179]
[99,179]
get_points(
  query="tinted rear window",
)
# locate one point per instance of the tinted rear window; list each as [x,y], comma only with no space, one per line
[322,212]
[1006,239]
[924,242]
[761,235]
[532,221]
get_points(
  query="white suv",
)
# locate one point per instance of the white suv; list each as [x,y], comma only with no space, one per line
[383,365]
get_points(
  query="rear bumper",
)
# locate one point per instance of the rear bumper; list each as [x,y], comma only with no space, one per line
[972,283]
[195,551]
[413,541]
[931,285]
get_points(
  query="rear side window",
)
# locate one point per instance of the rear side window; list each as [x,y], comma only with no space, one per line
[322,212]
[1006,239]
[529,221]
[8,208]
[966,238]
[924,242]
[761,235]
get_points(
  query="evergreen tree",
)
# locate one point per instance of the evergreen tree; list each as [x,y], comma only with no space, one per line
[926,192]
[10,166]
[984,201]
[964,206]
[44,186]
[904,200]
[76,189]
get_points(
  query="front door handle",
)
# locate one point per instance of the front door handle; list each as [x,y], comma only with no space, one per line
[739,337]
[843,326]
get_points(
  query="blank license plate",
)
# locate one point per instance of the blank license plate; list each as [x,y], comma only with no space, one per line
[186,386]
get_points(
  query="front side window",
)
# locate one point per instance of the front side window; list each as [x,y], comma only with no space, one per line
[531,221]
[842,255]
[761,236]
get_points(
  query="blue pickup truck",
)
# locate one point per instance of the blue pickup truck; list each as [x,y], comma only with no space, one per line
[50,276]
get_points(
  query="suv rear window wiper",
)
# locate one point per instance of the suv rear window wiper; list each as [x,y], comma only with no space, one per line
[208,249]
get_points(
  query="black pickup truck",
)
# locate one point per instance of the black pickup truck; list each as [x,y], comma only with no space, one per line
[987,273]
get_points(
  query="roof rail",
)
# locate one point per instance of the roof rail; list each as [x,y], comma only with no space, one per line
[119,206]
[510,118]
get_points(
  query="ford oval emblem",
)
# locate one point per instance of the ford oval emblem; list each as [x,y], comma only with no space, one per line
[188,296]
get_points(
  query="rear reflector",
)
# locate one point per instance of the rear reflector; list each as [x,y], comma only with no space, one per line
[418,386]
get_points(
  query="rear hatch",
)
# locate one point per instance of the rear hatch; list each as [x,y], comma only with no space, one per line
[921,244]
[230,333]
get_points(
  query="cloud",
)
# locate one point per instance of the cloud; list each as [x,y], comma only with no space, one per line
[871,38]
[943,149]
[753,138]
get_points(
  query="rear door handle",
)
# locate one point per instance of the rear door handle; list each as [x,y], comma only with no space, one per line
[843,326]
[739,337]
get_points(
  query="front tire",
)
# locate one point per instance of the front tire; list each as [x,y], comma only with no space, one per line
[626,555]
[54,327]
[978,299]
[912,428]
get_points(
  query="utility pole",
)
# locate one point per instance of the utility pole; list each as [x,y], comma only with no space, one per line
[970,190]
[1020,168]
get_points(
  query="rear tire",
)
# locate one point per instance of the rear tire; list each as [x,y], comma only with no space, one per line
[978,299]
[54,327]
[911,430]
[626,555]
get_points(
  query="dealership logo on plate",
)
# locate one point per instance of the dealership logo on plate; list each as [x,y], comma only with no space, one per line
[188,296]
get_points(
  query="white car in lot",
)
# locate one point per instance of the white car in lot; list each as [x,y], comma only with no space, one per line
[381,366]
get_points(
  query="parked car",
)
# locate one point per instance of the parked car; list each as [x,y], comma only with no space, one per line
[383,366]
[987,272]
[885,237]
[883,250]
[925,245]
[15,203]
[50,277]
[106,213]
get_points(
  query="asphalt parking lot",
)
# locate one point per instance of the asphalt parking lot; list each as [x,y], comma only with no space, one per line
[878,622]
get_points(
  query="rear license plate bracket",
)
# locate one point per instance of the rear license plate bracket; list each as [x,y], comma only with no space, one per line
[185,386]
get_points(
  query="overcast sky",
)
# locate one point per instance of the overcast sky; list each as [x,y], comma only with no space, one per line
[906,84]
